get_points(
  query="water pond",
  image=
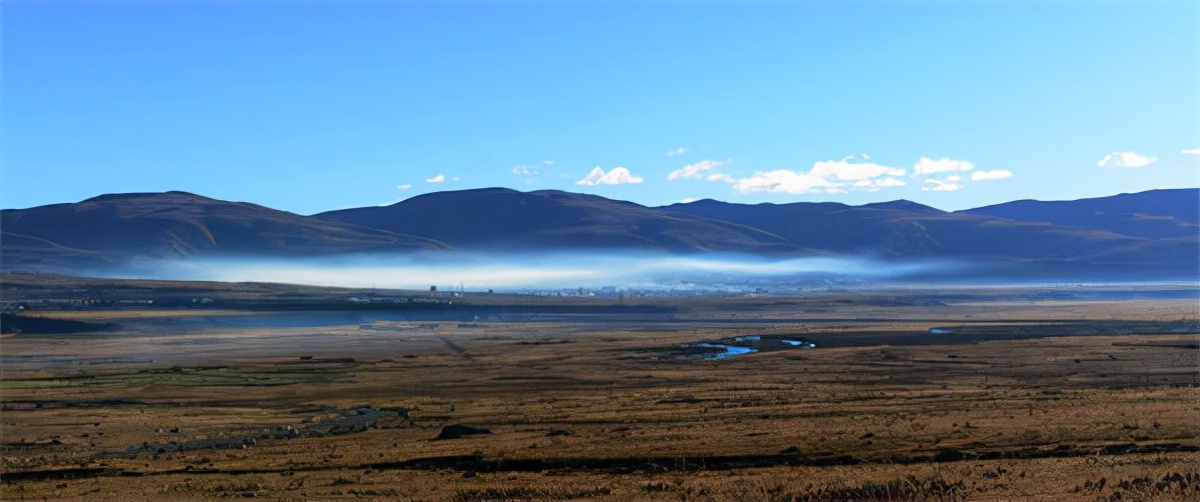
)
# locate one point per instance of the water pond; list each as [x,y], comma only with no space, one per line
[725,351]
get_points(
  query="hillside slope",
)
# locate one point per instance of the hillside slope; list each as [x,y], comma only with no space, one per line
[503,219]
[113,228]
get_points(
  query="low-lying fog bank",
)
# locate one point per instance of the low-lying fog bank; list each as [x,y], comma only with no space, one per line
[612,272]
[541,271]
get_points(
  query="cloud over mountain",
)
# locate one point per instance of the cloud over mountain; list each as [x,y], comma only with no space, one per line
[1125,159]
[927,165]
[995,174]
[524,171]
[692,171]
[828,176]
[947,185]
[784,181]
[847,170]
[616,176]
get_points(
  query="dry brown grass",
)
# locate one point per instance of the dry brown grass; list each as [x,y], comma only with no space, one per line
[640,428]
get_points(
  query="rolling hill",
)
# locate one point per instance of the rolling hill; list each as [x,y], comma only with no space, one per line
[1145,235]
[110,229]
[1153,214]
[504,219]
[1149,234]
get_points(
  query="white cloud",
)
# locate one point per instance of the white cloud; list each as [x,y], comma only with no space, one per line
[945,164]
[722,177]
[436,179]
[783,181]
[693,170]
[846,170]
[676,151]
[1191,151]
[548,162]
[829,176]
[454,178]
[954,177]
[995,174]
[688,200]
[524,171]
[936,185]
[1125,159]
[405,186]
[616,176]
[876,184]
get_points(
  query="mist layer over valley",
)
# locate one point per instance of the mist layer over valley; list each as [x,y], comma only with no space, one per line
[546,271]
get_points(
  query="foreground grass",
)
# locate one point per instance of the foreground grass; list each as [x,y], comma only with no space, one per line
[1068,418]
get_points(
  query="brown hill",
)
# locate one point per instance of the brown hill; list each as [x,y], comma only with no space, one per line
[114,228]
[503,219]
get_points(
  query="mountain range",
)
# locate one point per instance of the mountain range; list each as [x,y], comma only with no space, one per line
[1146,235]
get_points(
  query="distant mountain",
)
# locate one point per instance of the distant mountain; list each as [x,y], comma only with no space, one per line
[548,220]
[1154,214]
[110,229]
[1137,236]
[879,229]
[1149,235]
[907,229]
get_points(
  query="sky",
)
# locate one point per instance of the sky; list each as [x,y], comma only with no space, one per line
[312,106]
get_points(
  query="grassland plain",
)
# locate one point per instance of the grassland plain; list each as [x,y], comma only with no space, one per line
[1024,398]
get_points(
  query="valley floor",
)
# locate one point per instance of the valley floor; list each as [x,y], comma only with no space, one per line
[1061,399]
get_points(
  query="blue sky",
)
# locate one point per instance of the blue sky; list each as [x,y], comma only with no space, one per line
[310,107]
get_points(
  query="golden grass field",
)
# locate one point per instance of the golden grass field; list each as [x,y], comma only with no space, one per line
[167,407]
